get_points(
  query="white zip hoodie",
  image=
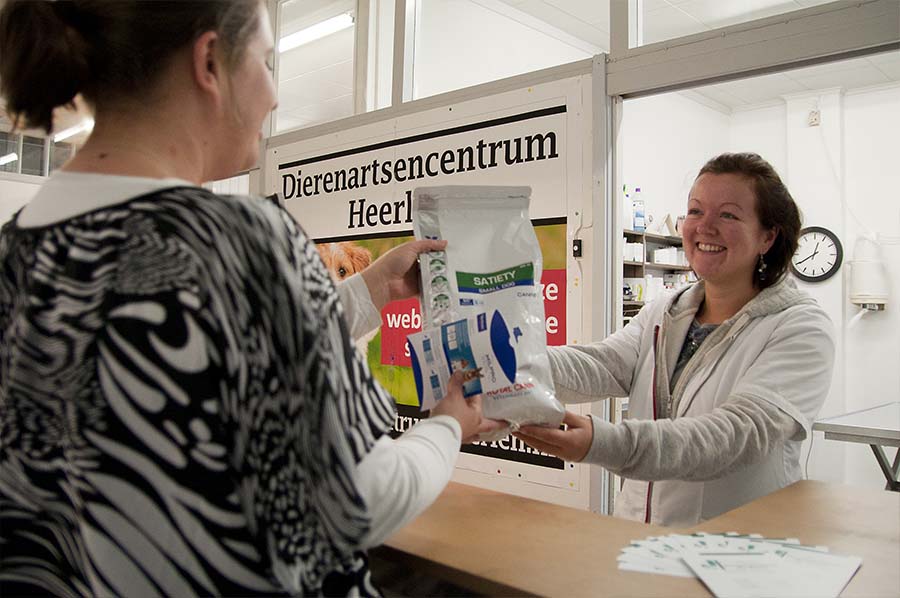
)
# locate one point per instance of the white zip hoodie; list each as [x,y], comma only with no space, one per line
[742,406]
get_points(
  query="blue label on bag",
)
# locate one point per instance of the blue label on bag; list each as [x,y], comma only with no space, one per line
[506,354]
[458,351]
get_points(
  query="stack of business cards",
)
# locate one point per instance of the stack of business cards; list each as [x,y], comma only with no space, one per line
[743,565]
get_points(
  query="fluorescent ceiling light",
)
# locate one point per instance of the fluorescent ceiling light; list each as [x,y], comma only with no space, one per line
[4,160]
[85,125]
[314,32]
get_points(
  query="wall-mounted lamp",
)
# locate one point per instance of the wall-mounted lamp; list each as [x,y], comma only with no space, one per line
[314,32]
[868,278]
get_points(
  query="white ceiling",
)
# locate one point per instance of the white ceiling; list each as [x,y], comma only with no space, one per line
[847,74]
[316,80]
[667,19]
[587,20]
[662,19]
[314,87]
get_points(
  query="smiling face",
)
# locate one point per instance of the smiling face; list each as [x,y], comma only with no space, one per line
[723,237]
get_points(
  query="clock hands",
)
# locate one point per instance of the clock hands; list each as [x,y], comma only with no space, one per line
[810,256]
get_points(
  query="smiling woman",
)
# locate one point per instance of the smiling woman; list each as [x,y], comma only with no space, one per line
[724,377]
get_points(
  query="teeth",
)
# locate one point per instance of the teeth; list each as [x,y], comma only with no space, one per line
[711,248]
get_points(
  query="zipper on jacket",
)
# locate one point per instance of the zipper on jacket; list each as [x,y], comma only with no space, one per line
[653,396]
[702,359]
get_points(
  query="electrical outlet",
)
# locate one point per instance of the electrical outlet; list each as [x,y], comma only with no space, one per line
[576,247]
[813,119]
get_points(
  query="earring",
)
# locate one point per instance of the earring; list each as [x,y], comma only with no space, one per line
[761,267]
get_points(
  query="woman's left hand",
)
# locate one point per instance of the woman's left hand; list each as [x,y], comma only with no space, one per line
[395,275]
[571,444]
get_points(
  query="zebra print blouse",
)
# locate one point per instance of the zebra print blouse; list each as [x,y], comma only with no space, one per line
[181,407]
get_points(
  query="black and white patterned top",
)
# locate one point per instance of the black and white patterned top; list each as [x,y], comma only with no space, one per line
[181,406]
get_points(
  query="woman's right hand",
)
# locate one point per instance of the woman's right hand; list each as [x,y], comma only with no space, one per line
[466,411]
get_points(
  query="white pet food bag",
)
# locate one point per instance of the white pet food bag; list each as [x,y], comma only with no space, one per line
[482,307]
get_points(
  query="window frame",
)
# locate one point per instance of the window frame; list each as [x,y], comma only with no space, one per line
[824,33]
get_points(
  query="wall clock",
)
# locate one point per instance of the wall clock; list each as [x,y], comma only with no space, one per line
[818,256]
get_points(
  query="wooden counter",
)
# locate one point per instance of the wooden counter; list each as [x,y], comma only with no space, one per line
[498,544]
[848,520]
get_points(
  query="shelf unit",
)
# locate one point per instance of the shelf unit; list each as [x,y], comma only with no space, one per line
[633,269]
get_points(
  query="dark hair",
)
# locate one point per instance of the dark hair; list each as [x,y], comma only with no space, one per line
[775,208]
[107,50]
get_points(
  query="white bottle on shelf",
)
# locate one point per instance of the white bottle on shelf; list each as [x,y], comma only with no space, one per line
[638,220]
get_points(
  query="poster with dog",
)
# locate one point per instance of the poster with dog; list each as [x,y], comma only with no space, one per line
[386,350]
[352,188]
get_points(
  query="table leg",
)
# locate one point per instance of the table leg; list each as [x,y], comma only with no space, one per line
[891,472]
[896,468]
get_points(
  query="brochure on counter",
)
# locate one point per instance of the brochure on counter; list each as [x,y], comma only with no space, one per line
[736,565]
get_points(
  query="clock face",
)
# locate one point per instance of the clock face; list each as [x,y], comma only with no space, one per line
[819,254]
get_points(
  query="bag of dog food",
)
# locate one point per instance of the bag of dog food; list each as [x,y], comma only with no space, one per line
[482,306]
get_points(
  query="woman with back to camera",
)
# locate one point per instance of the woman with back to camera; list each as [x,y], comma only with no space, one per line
[724,377]
[182,411]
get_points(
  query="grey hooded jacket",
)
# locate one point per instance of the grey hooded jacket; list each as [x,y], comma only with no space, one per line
[731,429]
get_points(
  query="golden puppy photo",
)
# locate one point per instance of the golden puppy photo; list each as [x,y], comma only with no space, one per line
[344,259]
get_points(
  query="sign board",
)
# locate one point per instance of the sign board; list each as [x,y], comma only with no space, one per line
[352,190]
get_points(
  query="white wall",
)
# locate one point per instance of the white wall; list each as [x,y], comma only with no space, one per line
[666,139]
[813,173]
[459,44]
[872,193]
[844,176]
[15,192]
[762,131]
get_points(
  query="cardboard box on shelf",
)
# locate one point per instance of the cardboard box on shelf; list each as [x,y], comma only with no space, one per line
[653,287]
[666,255]
[633,252]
